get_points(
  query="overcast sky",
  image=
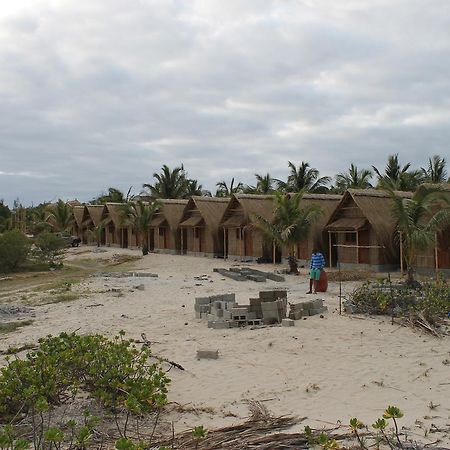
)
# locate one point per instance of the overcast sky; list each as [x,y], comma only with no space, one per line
[99,93]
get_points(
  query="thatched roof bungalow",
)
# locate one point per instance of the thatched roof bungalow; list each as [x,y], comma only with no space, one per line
[98,214]
[362,230]
[438,257]
[82,223]
[243,241]
[117,234]
[200,232]
[164,232]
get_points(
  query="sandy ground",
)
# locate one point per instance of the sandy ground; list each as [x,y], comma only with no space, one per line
[327,369]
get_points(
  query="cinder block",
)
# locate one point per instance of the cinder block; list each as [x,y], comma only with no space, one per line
[296,315]
[198,315]
[257,278]
[280,294]
[207,354]
[216,325]
[202,301]
[215,298]
[229,297]
[227,315]
[287,323]
[266,296]
[274,277]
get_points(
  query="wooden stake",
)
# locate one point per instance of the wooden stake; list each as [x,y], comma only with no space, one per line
[357,247]
[329,249]
[273,252]
[436,255]
[224,244]
[182,242]
[401,252]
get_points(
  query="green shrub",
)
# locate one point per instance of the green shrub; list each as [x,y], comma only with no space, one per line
[115,372]
[431,300]
[50,248]
[14,249]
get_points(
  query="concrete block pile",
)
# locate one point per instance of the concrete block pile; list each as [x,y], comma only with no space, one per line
[222,311]
[307,308]
[246,273]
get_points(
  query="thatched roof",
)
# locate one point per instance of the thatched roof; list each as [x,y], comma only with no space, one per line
[80,214]
[172,211]
[242,208]
[376,207]
[96,212]
[348,224]
[210,209]
[157,221]
[115,213]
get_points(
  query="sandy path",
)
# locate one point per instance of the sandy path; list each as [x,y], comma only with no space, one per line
[326,369]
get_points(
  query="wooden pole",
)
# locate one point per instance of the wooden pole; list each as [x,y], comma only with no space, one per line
[436,255]
[329,249]
[273,252]
[357,247]
[224,244]
[182,242]
[401,252]
[240,243]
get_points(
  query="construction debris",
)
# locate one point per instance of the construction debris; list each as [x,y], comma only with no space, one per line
[222,311]
[246,273]
[207,354]
[126,274]
[308,308]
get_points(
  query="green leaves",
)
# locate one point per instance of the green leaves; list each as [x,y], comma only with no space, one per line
[113,371]
[199,432]
[393,412]
[380,424]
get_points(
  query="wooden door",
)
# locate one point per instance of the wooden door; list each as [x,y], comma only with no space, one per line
[364,240]
[248,242]
[443,244]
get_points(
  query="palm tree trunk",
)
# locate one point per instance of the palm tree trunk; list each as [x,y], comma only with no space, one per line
[292,260]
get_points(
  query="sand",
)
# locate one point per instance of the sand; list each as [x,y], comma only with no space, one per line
[326,369]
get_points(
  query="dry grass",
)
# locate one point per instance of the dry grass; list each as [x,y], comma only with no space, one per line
[351,275]
[9,327]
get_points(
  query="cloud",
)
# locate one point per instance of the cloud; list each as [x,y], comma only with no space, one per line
[99,94]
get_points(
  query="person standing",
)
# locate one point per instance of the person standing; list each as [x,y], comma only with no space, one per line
[315,268]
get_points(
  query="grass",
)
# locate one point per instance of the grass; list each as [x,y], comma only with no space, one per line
[10,327]
[62,297]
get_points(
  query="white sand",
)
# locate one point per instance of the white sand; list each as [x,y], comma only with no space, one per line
[327,369]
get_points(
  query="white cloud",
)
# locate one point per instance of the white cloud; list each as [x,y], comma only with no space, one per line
[98,94]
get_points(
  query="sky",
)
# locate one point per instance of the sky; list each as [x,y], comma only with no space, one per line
[100,93]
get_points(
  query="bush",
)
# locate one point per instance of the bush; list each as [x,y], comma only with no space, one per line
[115,372]
[431,300]
[14,249]
[50,248]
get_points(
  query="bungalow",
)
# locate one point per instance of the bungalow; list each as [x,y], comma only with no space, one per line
[164,232]
[200,233]
[117,234]
[99,215]
[362,231]
[82,223]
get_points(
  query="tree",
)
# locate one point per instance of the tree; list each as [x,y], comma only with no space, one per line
[139,215]
[5,217]
[169,183]
[291,223]
[113,195]
[39,218]
[60,216]
[264,185]
[354,179]
[305,178]
[435,172]
[97,232]
[14,249]
[418,219]
[398,178]
[223,190]
[50,248]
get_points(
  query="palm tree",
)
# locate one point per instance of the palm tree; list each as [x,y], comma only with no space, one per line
[398,178]
[169,183]
[97,232]
[354,178]
[192,188]
[418,219]
[139,215]
[223,190]
[60,216]
[305,178]
[264,185]
[291,223]
[436,172]
[113,195]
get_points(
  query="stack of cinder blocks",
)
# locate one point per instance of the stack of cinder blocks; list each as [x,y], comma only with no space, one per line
[222,311]
[308,308]
[273,305]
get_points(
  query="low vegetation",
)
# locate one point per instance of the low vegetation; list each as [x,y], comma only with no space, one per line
[116,373]
[9,327]
[426,306]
